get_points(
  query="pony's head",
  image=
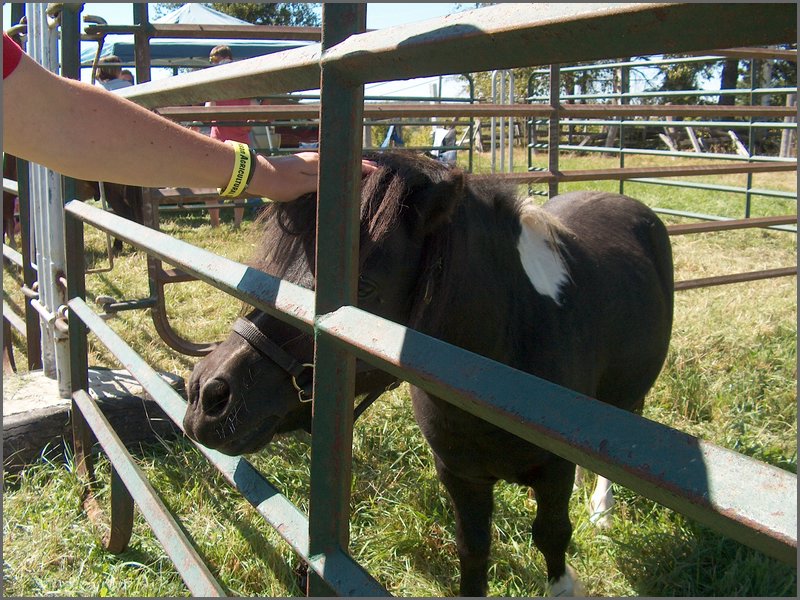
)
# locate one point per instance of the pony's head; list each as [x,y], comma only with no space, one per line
[254,384]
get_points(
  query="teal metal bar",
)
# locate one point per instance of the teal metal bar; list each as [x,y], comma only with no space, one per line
[76,288]
[706,217]
[341,116]
[493,38]
[740,497]
[668,93]
[289,522]
[636,63]
[554,129]
[141,35]
[12,256]
[188,562]
[727,124]
[677,154]
[718,188]
[291,303]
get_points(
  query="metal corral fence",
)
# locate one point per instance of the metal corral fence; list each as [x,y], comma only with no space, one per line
[617,122]
[563,112]
[745,499]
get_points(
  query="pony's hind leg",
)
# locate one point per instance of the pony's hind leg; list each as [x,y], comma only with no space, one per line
[472,504]
[601,501]
[551,528]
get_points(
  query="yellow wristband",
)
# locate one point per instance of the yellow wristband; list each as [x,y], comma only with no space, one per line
[243,168]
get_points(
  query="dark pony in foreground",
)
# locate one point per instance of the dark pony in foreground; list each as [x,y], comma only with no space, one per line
[578,292]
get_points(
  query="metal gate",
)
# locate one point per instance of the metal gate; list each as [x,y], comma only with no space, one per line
[747,500]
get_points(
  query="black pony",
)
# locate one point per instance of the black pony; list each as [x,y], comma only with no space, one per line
[579,292]
[125,200]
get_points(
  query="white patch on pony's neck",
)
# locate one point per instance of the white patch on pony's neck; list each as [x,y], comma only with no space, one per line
[538,248]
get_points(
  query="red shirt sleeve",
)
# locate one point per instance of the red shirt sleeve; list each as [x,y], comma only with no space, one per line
[11,55]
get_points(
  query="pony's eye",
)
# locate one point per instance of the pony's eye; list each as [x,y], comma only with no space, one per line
[366,287]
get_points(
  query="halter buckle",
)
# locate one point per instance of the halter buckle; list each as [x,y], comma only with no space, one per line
[300,391]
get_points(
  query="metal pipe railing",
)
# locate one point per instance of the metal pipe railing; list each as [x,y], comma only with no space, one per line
[272,505]
[732,512]
[644,63]
[336,285]
[678,154]
[282,299]
[671,467]
[483,40]
[667,94]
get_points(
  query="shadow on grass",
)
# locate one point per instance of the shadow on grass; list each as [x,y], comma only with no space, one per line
[223,505]
[700,562]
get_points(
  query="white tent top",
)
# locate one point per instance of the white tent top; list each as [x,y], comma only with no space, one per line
[167,52]
[193,12]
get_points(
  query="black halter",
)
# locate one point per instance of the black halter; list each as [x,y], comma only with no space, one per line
[295,368]
[269,349]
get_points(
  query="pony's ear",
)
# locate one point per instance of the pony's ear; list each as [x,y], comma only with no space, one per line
[441,200]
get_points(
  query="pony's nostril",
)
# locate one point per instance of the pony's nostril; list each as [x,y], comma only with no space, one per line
[214,397]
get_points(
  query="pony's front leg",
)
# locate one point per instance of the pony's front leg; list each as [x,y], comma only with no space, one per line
[472,504]
[551,528]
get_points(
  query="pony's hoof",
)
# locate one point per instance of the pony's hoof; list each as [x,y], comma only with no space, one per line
[567,585]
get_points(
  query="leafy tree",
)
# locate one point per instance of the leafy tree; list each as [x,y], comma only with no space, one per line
[266,13]
[683,76]
[727,81]
[771,73]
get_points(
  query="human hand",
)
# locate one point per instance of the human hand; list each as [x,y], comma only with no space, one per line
[286,178]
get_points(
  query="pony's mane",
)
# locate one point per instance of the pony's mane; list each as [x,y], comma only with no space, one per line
[287,245]
[289,227]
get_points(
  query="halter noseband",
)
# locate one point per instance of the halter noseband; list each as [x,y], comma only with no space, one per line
[270,350]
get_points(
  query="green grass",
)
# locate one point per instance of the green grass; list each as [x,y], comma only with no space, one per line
[730,378]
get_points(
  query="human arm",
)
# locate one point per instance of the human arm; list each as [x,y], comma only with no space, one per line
[88,133]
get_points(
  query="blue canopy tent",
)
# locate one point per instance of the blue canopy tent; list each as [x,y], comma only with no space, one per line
[191,53]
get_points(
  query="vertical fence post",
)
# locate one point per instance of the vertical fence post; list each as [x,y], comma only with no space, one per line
[624,86]
[754,81]
[82,437]
[471,121]
[33,332]
[141,38]
[493,124]
[554,129]
[76,288]
[47,208]
[341,120]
